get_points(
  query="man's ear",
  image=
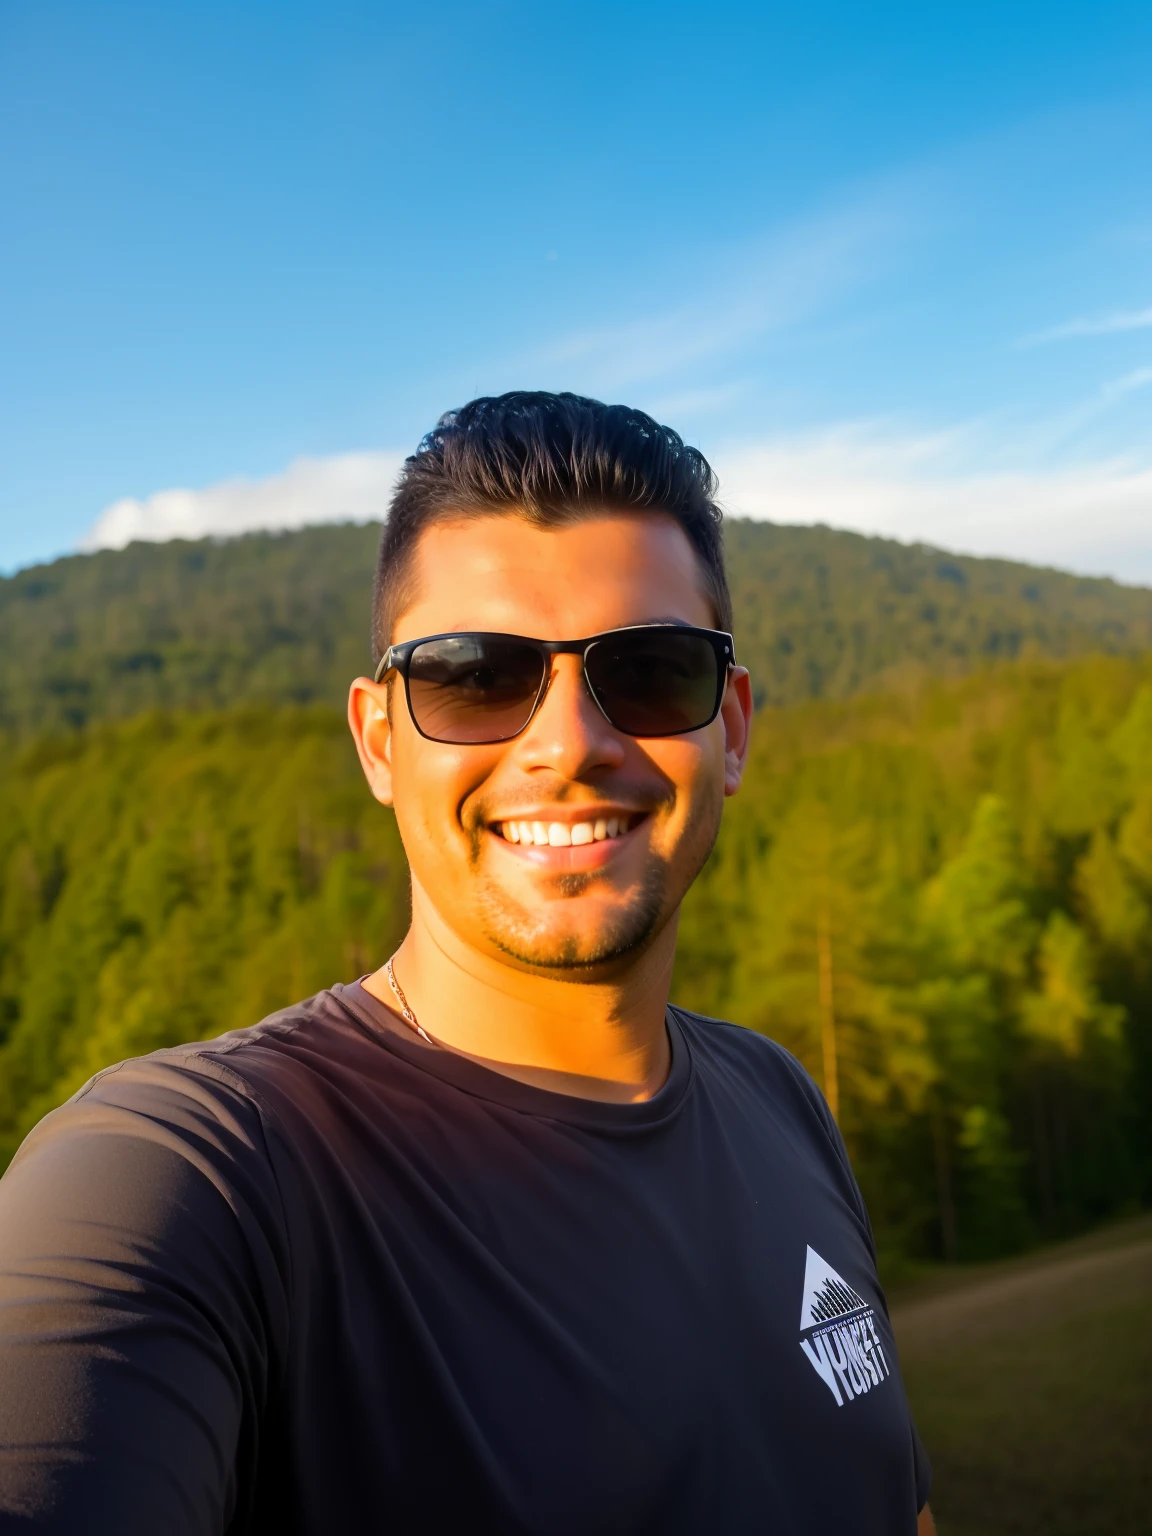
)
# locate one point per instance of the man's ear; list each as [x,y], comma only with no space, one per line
[736,714]
[372,732]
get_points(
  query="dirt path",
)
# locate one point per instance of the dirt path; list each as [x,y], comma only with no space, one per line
[1039,1291]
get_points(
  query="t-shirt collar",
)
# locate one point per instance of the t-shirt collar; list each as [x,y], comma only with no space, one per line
[389,1030]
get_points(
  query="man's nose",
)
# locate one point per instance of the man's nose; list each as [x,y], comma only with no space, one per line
[568,733]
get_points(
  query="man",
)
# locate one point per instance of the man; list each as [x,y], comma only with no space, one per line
[493,1240]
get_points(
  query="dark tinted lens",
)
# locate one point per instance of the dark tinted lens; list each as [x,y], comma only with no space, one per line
[655,682]
[473,688]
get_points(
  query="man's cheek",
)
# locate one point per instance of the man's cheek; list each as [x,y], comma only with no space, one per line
[429,842]
[425,799]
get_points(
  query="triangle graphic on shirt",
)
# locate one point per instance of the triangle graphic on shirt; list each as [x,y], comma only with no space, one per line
[826,1294]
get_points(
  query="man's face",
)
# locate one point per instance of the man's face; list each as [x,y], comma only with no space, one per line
[582,904]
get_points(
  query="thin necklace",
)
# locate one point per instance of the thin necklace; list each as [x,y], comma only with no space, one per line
[406,1012]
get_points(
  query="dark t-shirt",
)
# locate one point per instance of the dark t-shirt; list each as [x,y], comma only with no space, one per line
[317,1276]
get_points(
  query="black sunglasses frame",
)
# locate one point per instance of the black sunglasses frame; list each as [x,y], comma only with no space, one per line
[398,658]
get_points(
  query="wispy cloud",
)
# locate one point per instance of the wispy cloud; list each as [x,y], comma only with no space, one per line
[1094,517]
[696,402]
[1058,433]
[1139,378]
[1092,325]
[766,286]
[349,487]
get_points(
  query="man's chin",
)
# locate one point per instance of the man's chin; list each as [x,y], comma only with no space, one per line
[572,956]
[587,943]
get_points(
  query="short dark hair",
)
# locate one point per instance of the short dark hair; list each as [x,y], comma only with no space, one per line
[550,459]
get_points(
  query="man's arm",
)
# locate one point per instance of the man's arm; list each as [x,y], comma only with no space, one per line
[926,1526]
[134,1318]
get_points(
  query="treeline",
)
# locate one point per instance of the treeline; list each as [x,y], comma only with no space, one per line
[283,618]
[942,901]
[175,876]
[268,618]
[940,898]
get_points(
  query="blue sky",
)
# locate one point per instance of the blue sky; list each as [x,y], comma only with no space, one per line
[890,266]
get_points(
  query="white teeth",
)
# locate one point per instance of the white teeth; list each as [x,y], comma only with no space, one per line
[559,834]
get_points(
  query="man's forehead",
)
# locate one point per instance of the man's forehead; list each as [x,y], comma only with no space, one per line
[601,571]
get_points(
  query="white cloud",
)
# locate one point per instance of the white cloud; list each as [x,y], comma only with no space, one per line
[1095,517]
[348,487]
[1093,325]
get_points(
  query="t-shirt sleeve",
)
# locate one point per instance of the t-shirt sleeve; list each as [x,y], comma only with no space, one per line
[921,1463]
[142,1307]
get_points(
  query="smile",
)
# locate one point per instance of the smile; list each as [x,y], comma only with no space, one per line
[564,834]
[569,847]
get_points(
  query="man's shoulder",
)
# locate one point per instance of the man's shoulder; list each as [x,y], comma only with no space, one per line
[233,1059]
[217,1095]
[772,1086]
[752,1057]
[722,1036]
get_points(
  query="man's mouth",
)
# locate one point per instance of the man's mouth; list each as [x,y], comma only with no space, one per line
[567,834]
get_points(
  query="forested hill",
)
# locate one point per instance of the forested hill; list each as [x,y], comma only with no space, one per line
[940,899]
[284,618]
[939,896]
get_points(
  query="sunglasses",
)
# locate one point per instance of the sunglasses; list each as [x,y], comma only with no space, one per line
[646,680]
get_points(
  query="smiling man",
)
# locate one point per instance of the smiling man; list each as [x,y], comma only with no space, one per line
[493,1239]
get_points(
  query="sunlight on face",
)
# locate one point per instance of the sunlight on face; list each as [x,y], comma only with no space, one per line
[554,905]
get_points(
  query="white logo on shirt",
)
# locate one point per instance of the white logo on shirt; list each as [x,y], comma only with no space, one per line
[838,1333]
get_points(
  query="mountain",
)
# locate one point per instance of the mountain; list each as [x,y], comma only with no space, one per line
[939,896]
[280,618]
[821,613]
[284,618]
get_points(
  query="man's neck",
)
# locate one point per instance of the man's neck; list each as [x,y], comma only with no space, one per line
[604,1040]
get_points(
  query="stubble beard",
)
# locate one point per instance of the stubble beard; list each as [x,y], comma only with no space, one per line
[527,936]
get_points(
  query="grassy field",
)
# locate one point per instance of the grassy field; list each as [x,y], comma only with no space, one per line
[1031,1383]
